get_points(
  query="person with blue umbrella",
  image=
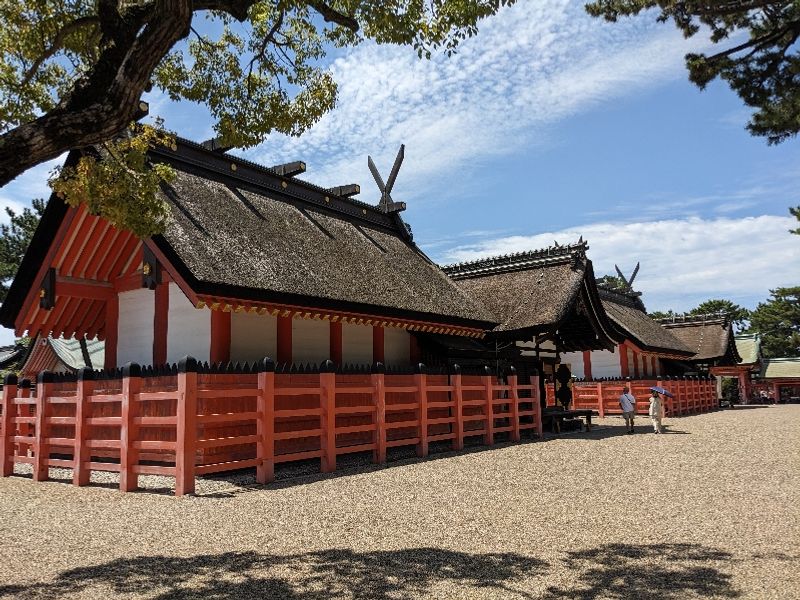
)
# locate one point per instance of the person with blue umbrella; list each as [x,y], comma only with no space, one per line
[656,410]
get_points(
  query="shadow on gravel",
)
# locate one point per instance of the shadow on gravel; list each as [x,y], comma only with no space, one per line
[613,570]
[338,573]
[629,572]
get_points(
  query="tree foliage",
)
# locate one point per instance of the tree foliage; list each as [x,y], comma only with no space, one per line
[661,314]
[737,314]
[764,68]
[612,281]
[72,74]
[14,240]
[795,212]
[778,322]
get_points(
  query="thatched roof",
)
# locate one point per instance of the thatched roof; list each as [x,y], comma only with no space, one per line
[628,314]
[281,239]
[709,336]
[748,345]
[550,290]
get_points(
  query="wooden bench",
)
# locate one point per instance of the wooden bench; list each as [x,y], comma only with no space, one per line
[555,416]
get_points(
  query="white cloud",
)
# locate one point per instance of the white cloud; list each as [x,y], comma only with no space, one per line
[530,66]
[684,261]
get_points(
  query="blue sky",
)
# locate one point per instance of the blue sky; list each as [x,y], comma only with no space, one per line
[547,126]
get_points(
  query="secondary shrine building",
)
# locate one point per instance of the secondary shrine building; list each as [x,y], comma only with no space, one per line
[253,262]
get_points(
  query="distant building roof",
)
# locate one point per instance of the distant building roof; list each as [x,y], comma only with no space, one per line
[550,290]
[59,354]
[10,355]
[748,345]
[778,368]
[628,314]
[709,336]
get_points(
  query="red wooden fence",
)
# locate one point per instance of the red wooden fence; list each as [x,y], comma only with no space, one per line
[191,421]
[692,395]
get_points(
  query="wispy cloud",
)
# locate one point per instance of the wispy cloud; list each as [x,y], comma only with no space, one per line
[684,261]
[530,66]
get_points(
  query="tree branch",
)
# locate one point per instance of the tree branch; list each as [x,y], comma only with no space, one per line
[334,16]
[58,42]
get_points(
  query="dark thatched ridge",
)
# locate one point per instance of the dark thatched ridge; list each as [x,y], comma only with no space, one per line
[628,314]
[247,233]
[709,336]
[543,291]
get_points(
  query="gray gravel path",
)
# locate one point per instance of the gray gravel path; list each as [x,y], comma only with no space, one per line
[709,510]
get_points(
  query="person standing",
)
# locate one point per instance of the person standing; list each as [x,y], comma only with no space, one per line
[628,404]
[656,412]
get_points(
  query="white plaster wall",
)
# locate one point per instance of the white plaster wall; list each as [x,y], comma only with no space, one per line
[135,327]
[356,344]
[253,337]
[310,340]
[396,346]
[188,328]
[605,363]
[574,360]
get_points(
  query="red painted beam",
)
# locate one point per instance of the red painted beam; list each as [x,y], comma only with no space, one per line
[220,336]
[378,347]
[587,364]
[285,339]
[336,343]
[87,290]
[160,324]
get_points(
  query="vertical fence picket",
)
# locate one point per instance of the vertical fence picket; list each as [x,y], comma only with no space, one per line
[265,422]
[327,396]
[421,383]
[8,425]
[601,405]
[514,393]
[186,446]
[128,454]
[44,389]
[80,453]
[377,380]
[458,393]
[537,403]
[488,391]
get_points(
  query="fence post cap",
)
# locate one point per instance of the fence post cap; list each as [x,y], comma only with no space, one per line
[487,370]
[377,368]
[45,377]
[132,369]
[512,370]
[188,364]
[10,379]
[419,368]
[456,369]
[266,365]
[25,384]
[85,374]
[327,366]
[534,372]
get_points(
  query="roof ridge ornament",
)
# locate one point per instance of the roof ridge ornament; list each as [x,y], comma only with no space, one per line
[494,264]
[386,204]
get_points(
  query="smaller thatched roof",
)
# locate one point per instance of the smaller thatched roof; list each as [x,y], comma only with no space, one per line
[748,345]
[551,290]
[628,314]
[780,368]
[709,336]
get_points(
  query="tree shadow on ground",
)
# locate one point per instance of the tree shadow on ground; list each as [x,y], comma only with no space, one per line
[614,570]
[628,572]
[337,573]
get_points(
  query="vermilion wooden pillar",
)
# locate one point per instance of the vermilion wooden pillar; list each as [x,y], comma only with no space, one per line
[636,357]
[378,337]
[587,364]
[220,336]
[111,327]
[285,339]
[623,360]
[336,342]
[160,323]
[653,370]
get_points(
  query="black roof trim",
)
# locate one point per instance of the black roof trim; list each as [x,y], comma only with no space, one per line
[280,187]
[519,261]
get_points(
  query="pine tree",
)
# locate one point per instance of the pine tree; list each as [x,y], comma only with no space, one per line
[14,240]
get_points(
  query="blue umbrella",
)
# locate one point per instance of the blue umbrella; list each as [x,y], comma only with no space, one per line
[661,390]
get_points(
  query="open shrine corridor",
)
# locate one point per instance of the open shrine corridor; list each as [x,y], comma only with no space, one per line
[709,510]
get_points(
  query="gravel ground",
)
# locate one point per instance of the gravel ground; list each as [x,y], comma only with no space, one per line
[709,510]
